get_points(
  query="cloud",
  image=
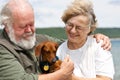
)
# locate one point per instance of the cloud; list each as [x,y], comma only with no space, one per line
[107,14]
[48,12]
[115,2]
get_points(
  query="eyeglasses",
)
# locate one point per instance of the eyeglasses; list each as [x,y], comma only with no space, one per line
[70,26]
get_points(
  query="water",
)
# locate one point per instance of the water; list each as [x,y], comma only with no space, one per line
[116,57]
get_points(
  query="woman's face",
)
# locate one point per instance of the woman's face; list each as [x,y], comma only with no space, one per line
[77,28]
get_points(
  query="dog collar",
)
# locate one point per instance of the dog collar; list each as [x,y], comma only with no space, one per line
[55,59]
[45,65]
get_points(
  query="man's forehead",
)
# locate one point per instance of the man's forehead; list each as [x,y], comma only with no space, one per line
[19,7]
[18,4]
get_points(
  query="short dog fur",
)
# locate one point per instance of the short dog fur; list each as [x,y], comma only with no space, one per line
[46,53]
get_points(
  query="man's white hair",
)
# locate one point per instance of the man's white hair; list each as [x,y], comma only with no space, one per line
[6,12]
[6,20]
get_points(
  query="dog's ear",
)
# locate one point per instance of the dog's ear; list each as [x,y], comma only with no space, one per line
[38,48]
[56,45]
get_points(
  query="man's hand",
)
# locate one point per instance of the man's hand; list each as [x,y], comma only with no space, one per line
[106,41]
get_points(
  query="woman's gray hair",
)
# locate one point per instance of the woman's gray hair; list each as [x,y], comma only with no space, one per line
[81,7]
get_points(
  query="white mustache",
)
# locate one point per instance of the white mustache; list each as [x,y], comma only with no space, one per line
[28,34]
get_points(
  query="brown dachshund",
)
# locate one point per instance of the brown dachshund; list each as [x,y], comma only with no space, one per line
[48,61]
[46,53]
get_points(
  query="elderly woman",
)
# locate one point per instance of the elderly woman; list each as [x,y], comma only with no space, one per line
[91,61]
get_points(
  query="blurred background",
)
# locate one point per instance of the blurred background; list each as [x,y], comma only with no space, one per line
[48,12]
[48,21]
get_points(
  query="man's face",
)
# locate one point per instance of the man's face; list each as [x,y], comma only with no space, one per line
[23,33]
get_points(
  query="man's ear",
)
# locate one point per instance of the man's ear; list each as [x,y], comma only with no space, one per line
[6,28]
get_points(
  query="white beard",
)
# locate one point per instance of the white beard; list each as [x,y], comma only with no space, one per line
[26,44]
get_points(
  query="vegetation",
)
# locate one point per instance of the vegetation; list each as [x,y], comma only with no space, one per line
[60,32]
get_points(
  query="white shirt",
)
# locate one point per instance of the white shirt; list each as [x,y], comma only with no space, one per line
[89,60]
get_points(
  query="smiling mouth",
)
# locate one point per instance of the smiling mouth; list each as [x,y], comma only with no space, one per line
[72,36]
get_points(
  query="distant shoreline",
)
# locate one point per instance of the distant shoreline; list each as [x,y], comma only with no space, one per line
[112,33]
[114,38]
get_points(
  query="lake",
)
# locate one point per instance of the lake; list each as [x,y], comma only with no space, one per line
[116,57]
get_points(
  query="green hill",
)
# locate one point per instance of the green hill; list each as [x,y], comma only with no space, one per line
[60,33]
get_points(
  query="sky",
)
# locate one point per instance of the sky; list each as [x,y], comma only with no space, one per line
[48,12]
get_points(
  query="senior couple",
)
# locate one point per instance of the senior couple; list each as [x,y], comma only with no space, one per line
[89,55]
